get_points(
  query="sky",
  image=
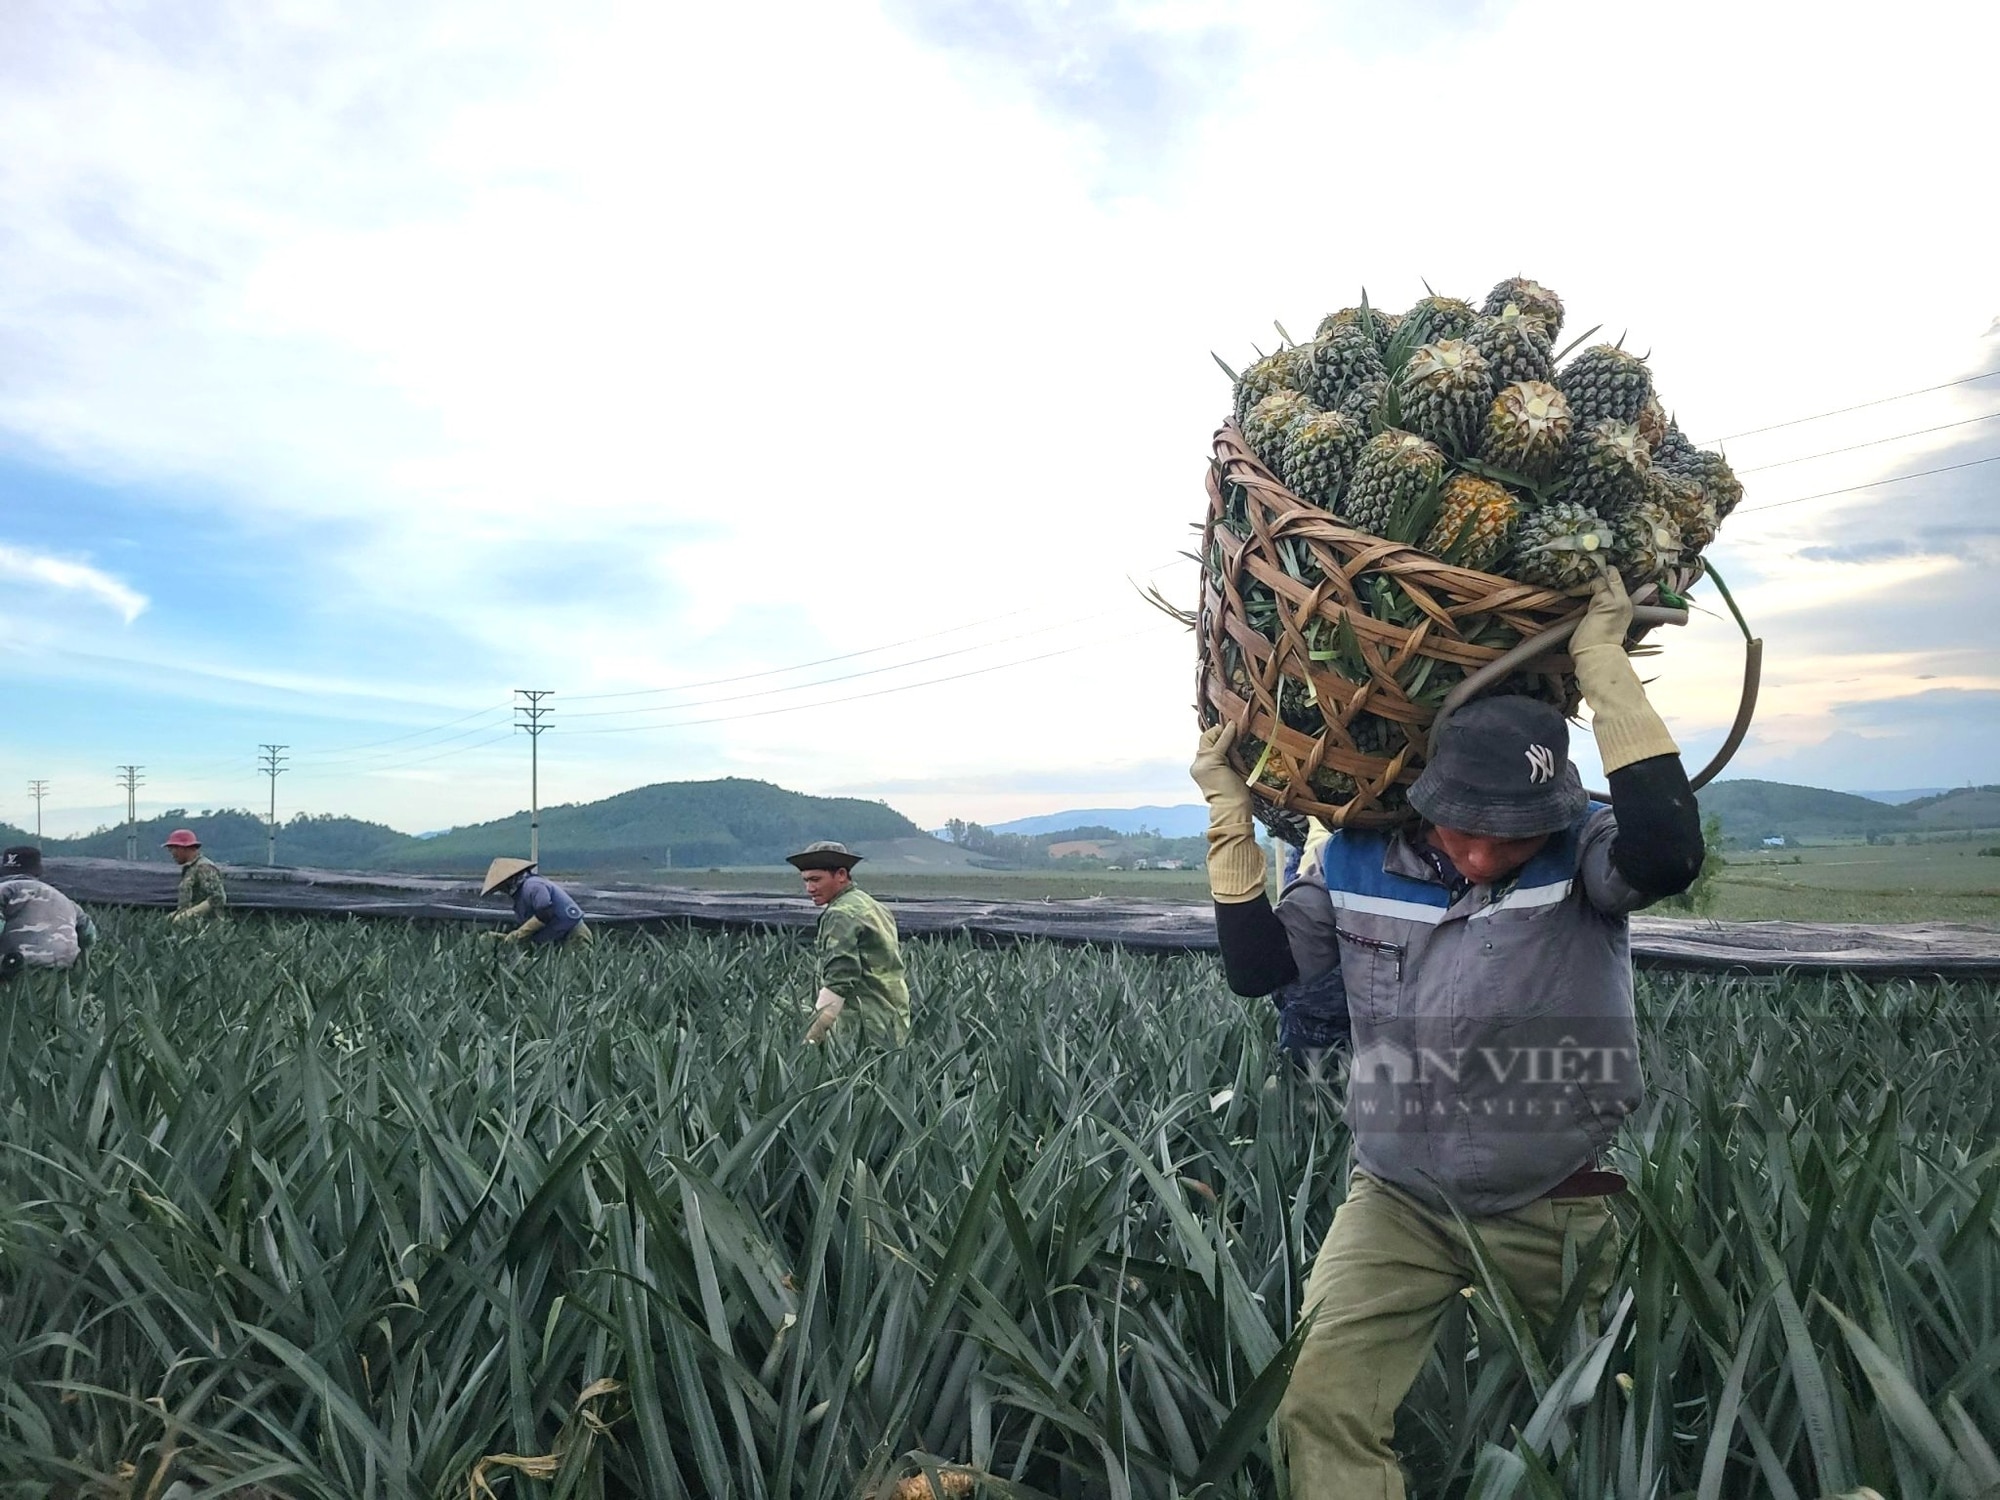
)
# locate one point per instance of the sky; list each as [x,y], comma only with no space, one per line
[810,391]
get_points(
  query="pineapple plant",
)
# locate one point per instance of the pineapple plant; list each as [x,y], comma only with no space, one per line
[1268,427]
[1515,347]
[1560,545]
[1605,468]
[1531,299]
[1475,522]
[1527,429]
[1319,456]
[1443,392]
[1605,384]
[1393,473]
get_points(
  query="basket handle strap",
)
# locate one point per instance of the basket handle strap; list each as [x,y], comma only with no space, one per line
[1558,635]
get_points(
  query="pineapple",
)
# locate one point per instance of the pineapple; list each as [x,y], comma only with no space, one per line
[1532,298]
[1645,542]
[1605,468]
[1474,523]
[1558,546]
[1712,472]
[1446,317]
[1286,370]
[1526,430]
[1673,447]
[1444,390]
[1394,471]
[1515,348]
[1339,361]
[1320,456]
[1269,426]
[1363,402]
[1386,324]
[1605,384]
[1689,504]
[1652,422]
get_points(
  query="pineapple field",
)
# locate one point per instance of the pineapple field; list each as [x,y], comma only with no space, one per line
[355,1210]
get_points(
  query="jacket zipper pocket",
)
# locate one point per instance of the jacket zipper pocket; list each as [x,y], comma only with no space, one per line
[1374,945]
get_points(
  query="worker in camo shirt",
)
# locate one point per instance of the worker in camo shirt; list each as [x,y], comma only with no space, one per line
[201,892]
[40,927]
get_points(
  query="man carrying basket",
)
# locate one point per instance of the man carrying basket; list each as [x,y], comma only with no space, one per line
[1485,957]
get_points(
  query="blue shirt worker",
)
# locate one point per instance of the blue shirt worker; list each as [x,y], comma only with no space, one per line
[546,912]
[1485,956]
[40,927]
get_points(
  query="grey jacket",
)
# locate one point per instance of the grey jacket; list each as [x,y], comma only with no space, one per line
[1495,1050]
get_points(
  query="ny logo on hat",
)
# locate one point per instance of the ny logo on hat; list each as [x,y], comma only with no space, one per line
[1541,764]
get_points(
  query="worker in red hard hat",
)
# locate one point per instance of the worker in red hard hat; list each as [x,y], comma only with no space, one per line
[201,893]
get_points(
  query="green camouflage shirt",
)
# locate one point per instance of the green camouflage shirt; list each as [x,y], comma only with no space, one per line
[202,881]
[41,924]
[859,960]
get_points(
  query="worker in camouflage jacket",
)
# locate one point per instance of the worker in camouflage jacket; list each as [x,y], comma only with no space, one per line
[202,893]
[40,927]
[1485,959]
[857,954]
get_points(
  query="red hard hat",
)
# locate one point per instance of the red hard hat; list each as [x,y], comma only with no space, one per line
[182,838]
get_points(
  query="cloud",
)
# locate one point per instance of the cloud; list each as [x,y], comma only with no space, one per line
[69,577]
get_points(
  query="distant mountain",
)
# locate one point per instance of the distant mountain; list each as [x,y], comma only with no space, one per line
[234,837]
[1752,810]
[1185,820]
[1961,807]
[1898,798]
[670,824]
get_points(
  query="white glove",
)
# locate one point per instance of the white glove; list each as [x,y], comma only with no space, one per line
[827,1009]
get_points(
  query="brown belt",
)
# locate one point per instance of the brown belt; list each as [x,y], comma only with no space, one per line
[1588,1182]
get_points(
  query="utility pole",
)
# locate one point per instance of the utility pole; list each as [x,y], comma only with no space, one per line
[131,780]
[38,789]
[272,761]
[529,714]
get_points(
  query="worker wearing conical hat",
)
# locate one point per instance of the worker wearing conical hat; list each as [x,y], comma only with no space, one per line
[202,893]
[545,912]
[859,957]
[1484,960]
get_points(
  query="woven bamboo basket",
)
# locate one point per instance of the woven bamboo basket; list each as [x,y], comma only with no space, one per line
[1326,648]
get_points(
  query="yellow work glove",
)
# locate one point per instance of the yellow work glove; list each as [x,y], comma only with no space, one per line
[189,913]
[1625,724]
[1235,863]
[519,934]
[827,1009]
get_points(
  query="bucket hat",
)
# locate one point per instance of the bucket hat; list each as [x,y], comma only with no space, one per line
[1502,770]
[824,855]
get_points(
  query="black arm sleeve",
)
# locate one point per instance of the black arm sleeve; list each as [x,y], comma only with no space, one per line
[1658,846]
[1256,949]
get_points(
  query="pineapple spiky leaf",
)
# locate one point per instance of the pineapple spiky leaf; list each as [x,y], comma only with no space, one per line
[1569,348]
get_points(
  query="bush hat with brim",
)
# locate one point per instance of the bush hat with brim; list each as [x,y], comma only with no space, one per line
[503,870]
[825,855]
[1502,771]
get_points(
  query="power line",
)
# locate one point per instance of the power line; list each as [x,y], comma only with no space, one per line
[1844,410]
[1973,463]
[898,666]
[793,708]
[38,789]
[1871,443]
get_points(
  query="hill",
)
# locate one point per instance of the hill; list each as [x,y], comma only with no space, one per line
[670,824]
[1961,807]
[1186,820]
[235,837]
[1752,810]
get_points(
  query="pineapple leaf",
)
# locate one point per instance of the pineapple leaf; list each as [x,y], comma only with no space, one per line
[1567,348]
[1413,521]
[1367,315]
[1498,475]
[1233,376]
[1290,342]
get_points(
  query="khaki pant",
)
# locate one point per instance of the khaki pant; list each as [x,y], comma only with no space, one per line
[1385,1274]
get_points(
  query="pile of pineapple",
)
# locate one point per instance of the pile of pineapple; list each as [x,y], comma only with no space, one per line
[1451,428]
